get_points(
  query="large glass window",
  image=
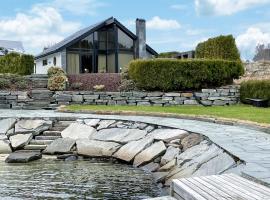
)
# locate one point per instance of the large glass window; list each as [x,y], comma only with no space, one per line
[124,59]
[111,62]
[73,63]
[84,44]
[101,59]
[124,41]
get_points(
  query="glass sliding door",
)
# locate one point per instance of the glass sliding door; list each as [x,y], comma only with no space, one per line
[87,63]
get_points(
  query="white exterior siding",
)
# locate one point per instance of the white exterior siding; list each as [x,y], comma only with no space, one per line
[40,69]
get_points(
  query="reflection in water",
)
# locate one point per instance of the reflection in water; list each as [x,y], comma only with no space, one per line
[49,179]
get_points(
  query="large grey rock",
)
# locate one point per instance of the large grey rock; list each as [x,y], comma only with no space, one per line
[131,149]
[20,140]
[23,157]
[78,131]
[5,147]
[92,122]
[191,140]
[150,153]
[160,176]
[105,124]
[95,148]
[32,126]
[6,124]
[119,135]
[60,145]
[217,165]
[162,198]
[170,154]
[167,135]
[168,166]
[150,167]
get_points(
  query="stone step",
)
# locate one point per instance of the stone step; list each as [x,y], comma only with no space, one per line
[35,147]
[41,142]
[39,137]
[51,133]
[63,123]
[59,128]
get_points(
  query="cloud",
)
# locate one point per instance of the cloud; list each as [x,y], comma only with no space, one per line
[156,23]
[37,28]
[225,7]
[253,36]
[78,7]
[179,7]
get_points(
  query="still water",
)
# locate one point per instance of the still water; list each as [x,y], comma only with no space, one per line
[50,179]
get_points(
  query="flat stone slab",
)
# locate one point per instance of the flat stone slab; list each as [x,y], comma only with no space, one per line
[20,140]
[119,135]
[60,145]
[150,153]
[105,124]
[131,149]
[5,147]
[150,167]
[92,122]
[32,126]
[77,131]
[23,157]
[95,148]
[162,198]
[191,140]
[170,154]
[167,135]
[6,124]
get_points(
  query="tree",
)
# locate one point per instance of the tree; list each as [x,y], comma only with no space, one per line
[262,52]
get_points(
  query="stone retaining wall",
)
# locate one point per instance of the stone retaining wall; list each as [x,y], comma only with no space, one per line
[44,98]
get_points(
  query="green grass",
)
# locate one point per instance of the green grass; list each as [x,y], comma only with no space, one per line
[242,112]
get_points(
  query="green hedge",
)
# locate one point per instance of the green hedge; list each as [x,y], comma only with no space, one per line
[222,47]
[255,89]
[169,75]
[14,63]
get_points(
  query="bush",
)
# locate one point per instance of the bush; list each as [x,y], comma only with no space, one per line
[169,75]
[222,47]
[4,83]
[255,89]
[76,86]
[55,71]
[57,83]
[13,81]
[126,83]
[15,63]
[99,88]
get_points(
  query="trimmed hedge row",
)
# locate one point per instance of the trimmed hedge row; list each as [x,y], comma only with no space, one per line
[15,63]
[255,89]
[222,47]
[173,75]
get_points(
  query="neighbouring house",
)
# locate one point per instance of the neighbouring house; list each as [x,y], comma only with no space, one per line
[105,47]
[8,46]
[186,55]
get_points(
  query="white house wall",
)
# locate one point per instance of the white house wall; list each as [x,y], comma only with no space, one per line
[40,69]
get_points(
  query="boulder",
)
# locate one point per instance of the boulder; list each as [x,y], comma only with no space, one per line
[92,122]
[217,165]
[20,140]
[168,135]
[32,126]
[170,154]
[119,135]
[191,140]
[60,145]
[150,153]
[131,149]
[6,125]
[160,176]
[95,148]
[10,132]
[151,167]
[3,137]
[168,166]
[23,157]
[78,131]
[105,124]
[5,147]
[162,198]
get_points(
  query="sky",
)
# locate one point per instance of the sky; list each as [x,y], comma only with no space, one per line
[172,25]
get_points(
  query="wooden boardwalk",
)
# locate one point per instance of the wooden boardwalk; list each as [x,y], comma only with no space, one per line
[218,187]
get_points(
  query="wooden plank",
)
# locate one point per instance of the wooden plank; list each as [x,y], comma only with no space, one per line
[225,188]
[214,190]
[186,192]
[242,191]
[255,186]
[247,186]
[205,194]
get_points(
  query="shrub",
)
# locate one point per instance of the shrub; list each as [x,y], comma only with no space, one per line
[126,83]
[57,83]
[15,63]
[222,47]
[255,89]
[76,86]
[4,83]
[21,84]
[56,71]
[169,75]
[99,87]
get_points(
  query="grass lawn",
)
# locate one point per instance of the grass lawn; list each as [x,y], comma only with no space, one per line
[242,112]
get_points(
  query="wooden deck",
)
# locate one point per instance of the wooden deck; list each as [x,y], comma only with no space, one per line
[218,187]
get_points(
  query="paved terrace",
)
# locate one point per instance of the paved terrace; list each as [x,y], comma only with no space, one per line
[251,146]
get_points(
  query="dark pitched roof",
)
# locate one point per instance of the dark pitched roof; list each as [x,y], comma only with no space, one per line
[12,45]
[86,31]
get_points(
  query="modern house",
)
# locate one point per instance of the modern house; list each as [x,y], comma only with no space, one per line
[105,47]
[8,46]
